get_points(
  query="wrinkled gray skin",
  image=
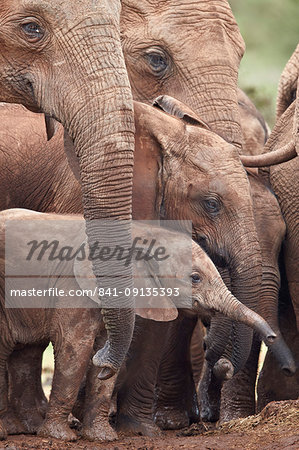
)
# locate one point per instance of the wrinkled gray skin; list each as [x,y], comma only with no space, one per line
[238,394]
[219,106]
[199,283]
[168,51]
[237,398]
[285,183]
[208,154]
[188,50]
[46,65]
[272,385]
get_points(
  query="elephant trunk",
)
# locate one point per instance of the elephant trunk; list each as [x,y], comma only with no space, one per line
[245,281]
[269,311]
[98,116]
[216,99]
[224,302]
[246,278]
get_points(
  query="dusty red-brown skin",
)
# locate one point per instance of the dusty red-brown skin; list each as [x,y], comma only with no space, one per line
[151,146]
[46,65]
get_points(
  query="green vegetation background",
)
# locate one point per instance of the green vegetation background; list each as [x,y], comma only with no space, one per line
[270,29]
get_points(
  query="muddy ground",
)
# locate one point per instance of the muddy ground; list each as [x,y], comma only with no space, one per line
[276,427]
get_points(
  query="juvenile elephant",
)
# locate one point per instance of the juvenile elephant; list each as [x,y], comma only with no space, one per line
[163,143]
[66,316]
[65,59]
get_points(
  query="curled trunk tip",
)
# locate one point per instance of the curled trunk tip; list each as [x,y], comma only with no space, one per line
[278,156]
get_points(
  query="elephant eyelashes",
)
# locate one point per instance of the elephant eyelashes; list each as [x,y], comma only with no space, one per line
[195,278]
[33,31]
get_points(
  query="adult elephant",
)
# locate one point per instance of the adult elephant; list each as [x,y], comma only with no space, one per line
[285,183]
[65,59]
[284,142]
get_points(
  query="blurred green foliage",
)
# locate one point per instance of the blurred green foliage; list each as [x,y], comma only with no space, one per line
[270,29]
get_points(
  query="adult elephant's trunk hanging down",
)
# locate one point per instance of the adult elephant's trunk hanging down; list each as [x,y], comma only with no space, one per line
[65,59]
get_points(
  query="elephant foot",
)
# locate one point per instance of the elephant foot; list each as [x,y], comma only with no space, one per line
[210,405]
[99,432]
[31,414]
[209,394]
[234,413]
[3,431]
[172,419]
[128,426]
[56,429]
[209,413]
[12,424]
[33,422]
[74,423]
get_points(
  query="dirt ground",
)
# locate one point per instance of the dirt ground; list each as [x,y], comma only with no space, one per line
[276,427]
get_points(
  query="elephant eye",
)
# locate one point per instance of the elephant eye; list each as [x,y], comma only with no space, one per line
[157,61]
[33,31]
[293,95]
[212,205]
[195,278]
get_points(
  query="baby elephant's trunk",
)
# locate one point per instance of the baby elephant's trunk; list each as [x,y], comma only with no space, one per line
[224,302]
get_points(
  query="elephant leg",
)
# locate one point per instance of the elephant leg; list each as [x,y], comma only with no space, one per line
[73,348]
[238,393]
[209,394]
[27,401]
[4,353]
[197,351]
[97,402]
[136,388]
[291,252]
[273,384]
[176,403]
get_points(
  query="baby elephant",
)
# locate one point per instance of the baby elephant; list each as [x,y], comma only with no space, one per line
[47,288]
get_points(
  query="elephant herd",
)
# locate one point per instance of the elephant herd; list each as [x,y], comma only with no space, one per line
[120,110]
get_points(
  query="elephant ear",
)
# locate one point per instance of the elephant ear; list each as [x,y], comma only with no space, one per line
[51,126]
[85,277]
[178,109]
[71,155]
[159,308]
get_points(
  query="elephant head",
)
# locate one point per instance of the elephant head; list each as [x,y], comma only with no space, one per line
[193,174]
[188,50]
[65,59]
